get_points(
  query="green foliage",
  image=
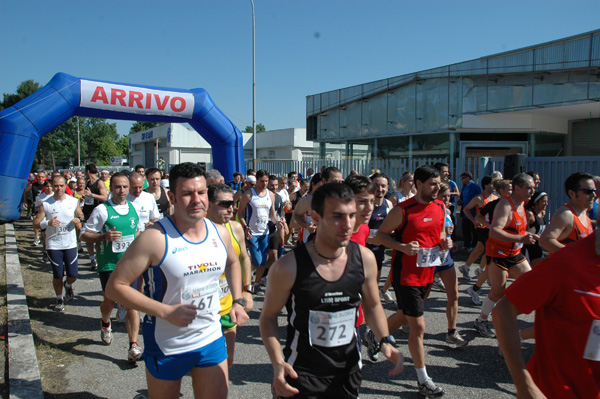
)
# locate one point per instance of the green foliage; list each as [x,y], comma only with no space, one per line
[259,128]
[140,126]
[25,89]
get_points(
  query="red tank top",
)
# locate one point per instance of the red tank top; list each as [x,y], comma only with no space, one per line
[517,226]
[579,230]
[422,223]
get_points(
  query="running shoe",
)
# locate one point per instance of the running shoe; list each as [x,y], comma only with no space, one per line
[60,305]
[478,271]
[93,264]
[428,389]
[438,284]
[456,340]
[387,297]
[464,269]
[405,328]
[372,346]
[134,353]
[259,289]
[69,294]
[483,328]
[121,313]
[106,335]
[36,242]
[474,296]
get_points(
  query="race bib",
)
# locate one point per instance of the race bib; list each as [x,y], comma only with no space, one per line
[224,287]
[122,244]
[204,297]
[592,347]
[373,233]
[331,329]
[262,216]
[89,200]
[60,234]
[429,257]
[445,258]
[518,245]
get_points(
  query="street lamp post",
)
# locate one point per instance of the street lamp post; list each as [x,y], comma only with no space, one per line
[78,146]
[253,91]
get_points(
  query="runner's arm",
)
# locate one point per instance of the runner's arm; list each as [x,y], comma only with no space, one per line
[476,201]
[385,233]
[502,215]
[246,264]
[279,285]
[39,217]
[233,274]
[102,196]
[148,248]
[559,228]
[302,206]
[374,314]
[507,330]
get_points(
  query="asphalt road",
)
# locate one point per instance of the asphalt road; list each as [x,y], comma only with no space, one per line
[99,371]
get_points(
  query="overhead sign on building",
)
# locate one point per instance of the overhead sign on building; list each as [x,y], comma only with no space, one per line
[116,161]
[137,100]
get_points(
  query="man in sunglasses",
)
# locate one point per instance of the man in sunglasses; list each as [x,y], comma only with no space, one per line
[571,223]
[220,211]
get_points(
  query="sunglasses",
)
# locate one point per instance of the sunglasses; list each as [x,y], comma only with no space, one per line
[225,204]
[588,191]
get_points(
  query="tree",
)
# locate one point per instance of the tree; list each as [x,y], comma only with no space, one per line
[140,126]
[123,146]
[25,89]
[259,128]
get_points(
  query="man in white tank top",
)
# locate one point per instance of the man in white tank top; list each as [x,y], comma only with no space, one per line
[60,215]
[257,207]
[182,257]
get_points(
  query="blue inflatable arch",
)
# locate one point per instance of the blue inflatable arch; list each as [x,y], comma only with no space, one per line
[22,125]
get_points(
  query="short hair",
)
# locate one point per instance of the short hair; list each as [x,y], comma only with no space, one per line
[136,175]
[261,173]
[273,177]
[213,175]
[426,172]
[250,172]
[236,174]
[139,166]
[118,174]
[533,173]
[292,173]
[187,170]
[304,181]
[339,191]
[378,175]
[359,183]
[520,179]
[91,168]
[60,176]
[326,174]
[440,165]
[315,180]
[486,180]
[152,171]
[310,171]
[573,181]
[500,184]
[215,188]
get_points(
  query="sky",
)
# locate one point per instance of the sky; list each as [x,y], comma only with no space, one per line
[303,47]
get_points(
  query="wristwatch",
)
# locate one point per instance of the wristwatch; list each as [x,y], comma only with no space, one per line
[388,340]
[250,288]
[239,301]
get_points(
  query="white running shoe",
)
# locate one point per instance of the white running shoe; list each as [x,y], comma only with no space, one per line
[387,297]
[438,284]
[456,340]
[464,269]
[134,353]
[474,296]
[483,328]
[106,335]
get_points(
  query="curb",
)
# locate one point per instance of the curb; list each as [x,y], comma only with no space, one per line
[23,373]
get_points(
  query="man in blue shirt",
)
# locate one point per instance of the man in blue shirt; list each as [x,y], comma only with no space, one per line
[469,190]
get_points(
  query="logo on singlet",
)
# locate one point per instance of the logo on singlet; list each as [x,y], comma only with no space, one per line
[175,250]
[425,220]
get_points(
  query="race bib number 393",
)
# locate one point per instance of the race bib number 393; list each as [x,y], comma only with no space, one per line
[122,244]
[331,329]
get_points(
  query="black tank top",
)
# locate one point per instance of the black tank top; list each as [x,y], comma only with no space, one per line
[321,336]
[87,209]
[379,213]
[162,202]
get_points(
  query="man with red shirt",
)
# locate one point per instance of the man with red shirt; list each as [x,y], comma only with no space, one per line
[415,231]
[566,361]
[571,222]
[508,233]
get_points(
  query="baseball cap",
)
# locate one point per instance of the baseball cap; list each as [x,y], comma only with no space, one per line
[164,183]
[251,179]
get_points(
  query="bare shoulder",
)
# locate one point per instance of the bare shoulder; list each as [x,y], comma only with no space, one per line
[366,254]
[284,269]
[237,228]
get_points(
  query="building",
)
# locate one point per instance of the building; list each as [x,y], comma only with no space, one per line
[179,143]
[542,100]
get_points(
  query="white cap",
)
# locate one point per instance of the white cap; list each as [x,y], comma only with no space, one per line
[164,183]
[251,179]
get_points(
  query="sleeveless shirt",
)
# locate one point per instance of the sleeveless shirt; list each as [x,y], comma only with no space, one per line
[259,213]
[321,337]
[517,226]
[226,298]
[109,252]
[379,213]
[579,231]
[187,274]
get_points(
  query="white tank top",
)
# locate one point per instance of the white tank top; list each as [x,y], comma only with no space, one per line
[260,212]
[63,236]
[189,273]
